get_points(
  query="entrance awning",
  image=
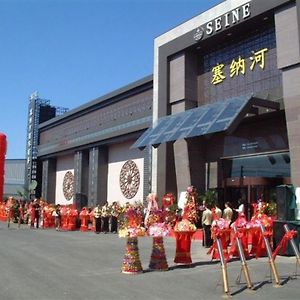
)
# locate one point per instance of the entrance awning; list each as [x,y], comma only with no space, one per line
[203,120]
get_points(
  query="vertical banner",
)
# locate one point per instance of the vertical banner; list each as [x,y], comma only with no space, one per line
[2,160]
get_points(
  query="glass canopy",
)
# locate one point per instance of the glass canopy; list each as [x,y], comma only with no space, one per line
[203,120]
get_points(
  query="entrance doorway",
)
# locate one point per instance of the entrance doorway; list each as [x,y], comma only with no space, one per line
[254,177]
[250,190]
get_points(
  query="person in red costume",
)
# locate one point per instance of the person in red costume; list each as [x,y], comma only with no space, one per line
[9,210]
[21,216]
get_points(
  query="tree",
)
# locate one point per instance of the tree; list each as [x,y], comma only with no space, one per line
[210,197]
[26,192]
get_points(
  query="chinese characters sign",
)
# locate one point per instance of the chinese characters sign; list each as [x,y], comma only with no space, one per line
[239,66]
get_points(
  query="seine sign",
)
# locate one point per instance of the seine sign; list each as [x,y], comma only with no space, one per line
[231,18]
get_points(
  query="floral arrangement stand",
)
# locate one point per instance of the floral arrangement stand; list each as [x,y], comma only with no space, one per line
[158,261]
[185,229]
[131,262]
[157,228]
[183,247]
[131,229]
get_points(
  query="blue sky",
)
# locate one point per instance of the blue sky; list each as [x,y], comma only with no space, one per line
[73,51]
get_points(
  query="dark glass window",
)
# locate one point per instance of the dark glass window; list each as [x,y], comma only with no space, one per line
[253,81]
[270,165]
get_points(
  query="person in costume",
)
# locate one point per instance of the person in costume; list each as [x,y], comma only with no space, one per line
[9,210]
[241,207]
[97,217]
[105,217]
[227,213]
[206,224]
[57,217]
[37,211]
[21,213]
[218,211]
[115,209]
[31,214]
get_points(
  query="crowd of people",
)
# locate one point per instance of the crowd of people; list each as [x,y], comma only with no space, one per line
[210,213]
[38,213]
[110,217]
[105,218]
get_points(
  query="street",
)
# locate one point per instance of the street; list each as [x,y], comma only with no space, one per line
[47,264]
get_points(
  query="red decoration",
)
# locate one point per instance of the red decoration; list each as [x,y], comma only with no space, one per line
[243,235]
[3,146]
[183,247]
[224,236]
[2,212]
[168,200]
[284,242]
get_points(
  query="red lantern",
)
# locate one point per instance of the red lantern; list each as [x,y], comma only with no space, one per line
[3,146]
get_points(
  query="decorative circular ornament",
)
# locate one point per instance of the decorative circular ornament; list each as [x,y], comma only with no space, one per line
[68,185]
[129,179]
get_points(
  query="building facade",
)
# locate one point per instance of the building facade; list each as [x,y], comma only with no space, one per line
[86,156]
[225,98]
[14,179]
[226,101]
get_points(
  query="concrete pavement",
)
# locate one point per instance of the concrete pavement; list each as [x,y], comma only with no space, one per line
[46,265]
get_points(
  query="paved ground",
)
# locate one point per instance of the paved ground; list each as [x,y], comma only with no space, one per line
[46,264]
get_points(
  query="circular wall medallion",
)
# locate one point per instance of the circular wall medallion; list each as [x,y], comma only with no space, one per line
[68,185]
[129,179]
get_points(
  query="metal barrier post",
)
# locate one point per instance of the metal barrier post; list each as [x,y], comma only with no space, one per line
[269,253]
[224,266]
[294,246]
[243,259]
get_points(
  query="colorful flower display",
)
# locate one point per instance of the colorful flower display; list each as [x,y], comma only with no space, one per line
[185,225]
[190,211]
[158,230]
[132,222]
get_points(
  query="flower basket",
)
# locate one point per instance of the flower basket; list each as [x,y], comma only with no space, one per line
[132,229]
